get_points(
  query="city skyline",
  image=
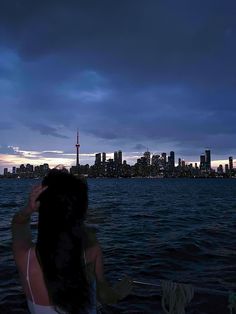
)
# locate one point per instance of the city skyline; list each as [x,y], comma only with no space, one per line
[130,76]
[148,165]
[26,158]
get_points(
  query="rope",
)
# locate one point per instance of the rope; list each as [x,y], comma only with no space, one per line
[196,289]
[175,296]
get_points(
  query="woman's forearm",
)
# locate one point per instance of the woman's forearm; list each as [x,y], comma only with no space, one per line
[21,232]
[22,216]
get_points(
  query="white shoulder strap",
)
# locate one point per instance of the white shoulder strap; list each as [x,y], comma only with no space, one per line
[27,275]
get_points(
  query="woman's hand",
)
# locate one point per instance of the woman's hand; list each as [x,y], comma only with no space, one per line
[124,287]
[33,203]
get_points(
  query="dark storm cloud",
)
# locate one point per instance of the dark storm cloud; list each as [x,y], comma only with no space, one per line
[161,71]
[143,43]
[46,130]
[139,147]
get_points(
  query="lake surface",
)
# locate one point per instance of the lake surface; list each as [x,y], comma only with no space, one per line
[150,229]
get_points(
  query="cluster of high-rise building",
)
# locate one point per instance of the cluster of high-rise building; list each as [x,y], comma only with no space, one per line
[154,165]
[28,171]
[148,165]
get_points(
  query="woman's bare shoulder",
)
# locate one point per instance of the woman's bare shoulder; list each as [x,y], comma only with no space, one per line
[91,237]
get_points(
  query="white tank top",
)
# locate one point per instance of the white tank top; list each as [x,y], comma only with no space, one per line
[47,309]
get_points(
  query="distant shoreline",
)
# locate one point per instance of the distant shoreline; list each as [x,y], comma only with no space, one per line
[125,178]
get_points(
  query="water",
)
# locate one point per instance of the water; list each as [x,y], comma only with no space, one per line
[177,229]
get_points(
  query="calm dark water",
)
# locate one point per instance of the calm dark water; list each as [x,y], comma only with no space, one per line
[150,229]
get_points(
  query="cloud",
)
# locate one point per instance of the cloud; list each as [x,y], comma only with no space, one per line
[158,74]
[46,130]
[5,149]
[139,147]
[151,43]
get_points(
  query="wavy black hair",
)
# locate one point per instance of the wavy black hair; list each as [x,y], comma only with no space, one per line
[60,241]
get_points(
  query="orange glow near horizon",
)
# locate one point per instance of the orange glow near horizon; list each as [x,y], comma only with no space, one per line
[15,161]
[35,158]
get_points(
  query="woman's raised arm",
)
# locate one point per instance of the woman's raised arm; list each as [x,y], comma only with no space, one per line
[21,233]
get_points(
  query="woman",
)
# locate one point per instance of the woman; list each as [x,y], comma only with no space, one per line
[63,272]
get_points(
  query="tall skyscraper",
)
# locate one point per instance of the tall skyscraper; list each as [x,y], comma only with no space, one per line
[171,160]
[77,145]
[179,162]
[208,159]
[115,157]
[231,163]
[163,155]
[226,168]
[163,160]
[98,159]
[118,157]
[202,162]
[103,158]
[155,160]
[147,156]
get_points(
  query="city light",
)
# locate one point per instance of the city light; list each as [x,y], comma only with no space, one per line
[114,165]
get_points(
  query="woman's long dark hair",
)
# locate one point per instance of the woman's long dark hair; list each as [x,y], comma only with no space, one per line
[60,242]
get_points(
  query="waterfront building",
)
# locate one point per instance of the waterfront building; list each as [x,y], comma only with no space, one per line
[103,158]
[5,171]
[231,164]
[98,159]
[126,170]
[147,157]
[155,160]
[226,168]
[46,167]
[41,170]
[163,162]
[163,155]
[202,162]
[104,164]
[220,170]
[29,168]
[171,161]
[117,163]
[207,159]
[22,168]
[98,165]
[115,157]
[110,168]
[179,162]
[118,157]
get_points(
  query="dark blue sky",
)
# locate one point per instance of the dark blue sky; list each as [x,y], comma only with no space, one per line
[129,74]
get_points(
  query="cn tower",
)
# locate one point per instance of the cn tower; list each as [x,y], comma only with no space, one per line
[77,145]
